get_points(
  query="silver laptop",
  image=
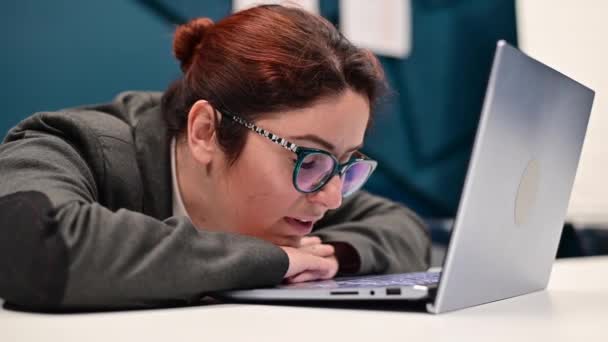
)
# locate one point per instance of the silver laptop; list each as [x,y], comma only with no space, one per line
[513,204]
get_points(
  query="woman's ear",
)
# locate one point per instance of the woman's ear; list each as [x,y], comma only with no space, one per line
[201,132]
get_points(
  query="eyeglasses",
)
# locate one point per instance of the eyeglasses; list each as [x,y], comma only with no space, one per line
[314,167]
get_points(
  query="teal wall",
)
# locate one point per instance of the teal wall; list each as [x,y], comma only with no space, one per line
[63,53]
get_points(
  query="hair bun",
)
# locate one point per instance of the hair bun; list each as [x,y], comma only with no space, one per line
[186,39]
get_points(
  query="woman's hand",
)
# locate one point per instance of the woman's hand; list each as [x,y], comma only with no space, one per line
[312,260]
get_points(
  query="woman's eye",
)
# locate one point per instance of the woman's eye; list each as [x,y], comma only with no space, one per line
[308,165]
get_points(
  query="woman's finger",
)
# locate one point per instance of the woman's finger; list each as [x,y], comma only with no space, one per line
[318,250]
[303,277]
[310,240]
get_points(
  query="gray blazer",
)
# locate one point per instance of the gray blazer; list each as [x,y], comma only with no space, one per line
[94,225]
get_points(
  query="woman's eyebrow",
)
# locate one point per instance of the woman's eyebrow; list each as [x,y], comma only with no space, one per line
[326,144]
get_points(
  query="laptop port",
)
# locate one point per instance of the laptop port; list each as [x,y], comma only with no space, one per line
[334,293]
[394,291]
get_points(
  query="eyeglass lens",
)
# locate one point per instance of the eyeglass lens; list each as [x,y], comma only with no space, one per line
[316,168]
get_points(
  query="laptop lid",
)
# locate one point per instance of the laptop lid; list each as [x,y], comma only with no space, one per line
[518,183]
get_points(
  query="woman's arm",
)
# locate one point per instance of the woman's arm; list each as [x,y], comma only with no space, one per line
[374,235]
[61,249]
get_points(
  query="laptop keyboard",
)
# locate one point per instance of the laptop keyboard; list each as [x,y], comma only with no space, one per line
[404,279]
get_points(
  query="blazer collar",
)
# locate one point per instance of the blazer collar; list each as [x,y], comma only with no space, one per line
[152,144]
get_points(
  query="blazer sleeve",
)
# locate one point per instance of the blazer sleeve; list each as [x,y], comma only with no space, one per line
[375,235]
[59,248]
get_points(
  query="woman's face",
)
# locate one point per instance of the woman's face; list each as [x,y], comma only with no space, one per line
[258,196]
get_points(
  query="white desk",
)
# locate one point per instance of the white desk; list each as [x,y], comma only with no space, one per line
[574,308]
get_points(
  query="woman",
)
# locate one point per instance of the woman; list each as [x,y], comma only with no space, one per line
[243,173]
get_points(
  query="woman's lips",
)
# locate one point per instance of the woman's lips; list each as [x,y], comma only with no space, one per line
[301,228]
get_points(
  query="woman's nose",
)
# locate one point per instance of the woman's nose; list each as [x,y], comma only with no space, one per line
[330,195]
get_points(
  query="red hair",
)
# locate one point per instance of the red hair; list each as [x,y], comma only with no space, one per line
[263,60]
